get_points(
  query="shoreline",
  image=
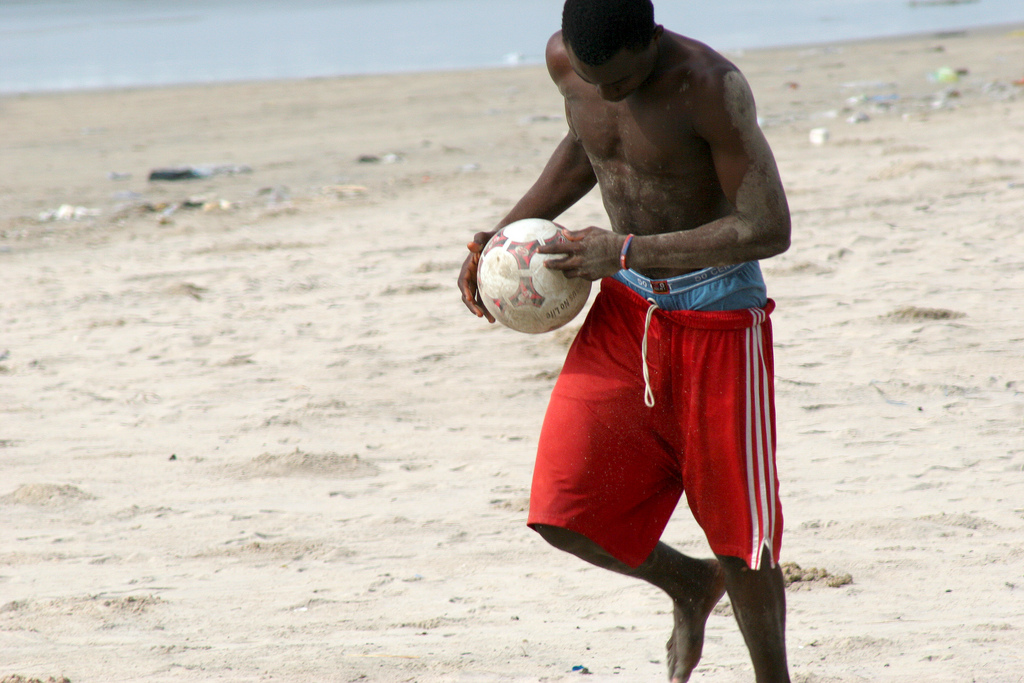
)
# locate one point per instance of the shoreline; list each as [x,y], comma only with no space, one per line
[989,29]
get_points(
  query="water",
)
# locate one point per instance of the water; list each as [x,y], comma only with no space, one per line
[76,44]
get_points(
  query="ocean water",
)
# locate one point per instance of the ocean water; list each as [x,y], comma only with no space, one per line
[48,45]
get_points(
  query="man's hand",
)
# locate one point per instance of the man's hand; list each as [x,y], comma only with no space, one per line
[591,254]
[467,276]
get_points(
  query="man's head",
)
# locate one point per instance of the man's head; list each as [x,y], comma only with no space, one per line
[611,44]
[597,30]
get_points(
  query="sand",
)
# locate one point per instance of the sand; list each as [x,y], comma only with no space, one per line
[249,433]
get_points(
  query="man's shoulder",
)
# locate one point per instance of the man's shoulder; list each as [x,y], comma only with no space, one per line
[556,58]
[699,64]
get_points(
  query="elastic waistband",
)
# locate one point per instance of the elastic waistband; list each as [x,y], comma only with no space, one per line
[710,320]
[680,283]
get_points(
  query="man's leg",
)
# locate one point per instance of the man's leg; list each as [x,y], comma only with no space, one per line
[759,602]
[695,587]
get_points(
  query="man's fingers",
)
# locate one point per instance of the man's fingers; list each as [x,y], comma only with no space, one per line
[573,238]
[480,240]
[562,264]
[475,306]
[557,248]
[467,281]
[467,284]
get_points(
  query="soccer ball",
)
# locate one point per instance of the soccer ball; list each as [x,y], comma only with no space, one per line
[516,287]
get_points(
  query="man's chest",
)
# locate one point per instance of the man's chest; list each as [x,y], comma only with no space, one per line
[646,140]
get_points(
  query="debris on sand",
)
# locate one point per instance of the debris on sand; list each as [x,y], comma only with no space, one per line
[196,172]
[913,313]
[793,573]
[67,212]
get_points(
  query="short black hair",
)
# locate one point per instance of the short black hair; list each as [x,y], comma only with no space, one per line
[598,29]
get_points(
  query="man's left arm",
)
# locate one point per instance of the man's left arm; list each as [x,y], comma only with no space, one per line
[759,225]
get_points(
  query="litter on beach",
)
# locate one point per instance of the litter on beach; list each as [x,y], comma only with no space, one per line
[196,172]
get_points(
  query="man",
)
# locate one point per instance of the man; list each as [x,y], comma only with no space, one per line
[668,387]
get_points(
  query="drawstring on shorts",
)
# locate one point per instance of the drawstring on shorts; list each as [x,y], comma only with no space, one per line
[648,394]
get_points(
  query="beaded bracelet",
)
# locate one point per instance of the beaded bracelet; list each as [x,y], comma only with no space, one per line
[625,250]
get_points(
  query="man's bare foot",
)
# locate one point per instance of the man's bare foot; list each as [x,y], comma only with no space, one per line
[687,640]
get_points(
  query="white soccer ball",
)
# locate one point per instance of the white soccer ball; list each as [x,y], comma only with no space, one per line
[516,287]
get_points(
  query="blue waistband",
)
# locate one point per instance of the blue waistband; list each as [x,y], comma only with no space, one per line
[721,288]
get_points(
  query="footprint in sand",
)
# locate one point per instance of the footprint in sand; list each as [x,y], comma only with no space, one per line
[259,549]
[301,464]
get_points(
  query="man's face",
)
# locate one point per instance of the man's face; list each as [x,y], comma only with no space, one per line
[620,76]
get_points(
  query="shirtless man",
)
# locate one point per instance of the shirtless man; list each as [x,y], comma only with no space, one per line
[668,387]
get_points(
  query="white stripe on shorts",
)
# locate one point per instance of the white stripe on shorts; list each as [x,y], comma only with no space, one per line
[760,458]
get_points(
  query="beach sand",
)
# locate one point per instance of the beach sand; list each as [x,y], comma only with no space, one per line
[249,432]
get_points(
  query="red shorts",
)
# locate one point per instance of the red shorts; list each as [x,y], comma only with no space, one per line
[613,469]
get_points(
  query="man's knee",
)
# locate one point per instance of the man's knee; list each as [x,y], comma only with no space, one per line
[737,566]
[733,565]
[571,542]
[563,539]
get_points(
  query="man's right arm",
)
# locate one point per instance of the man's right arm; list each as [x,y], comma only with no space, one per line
[566,178]
[568,175]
